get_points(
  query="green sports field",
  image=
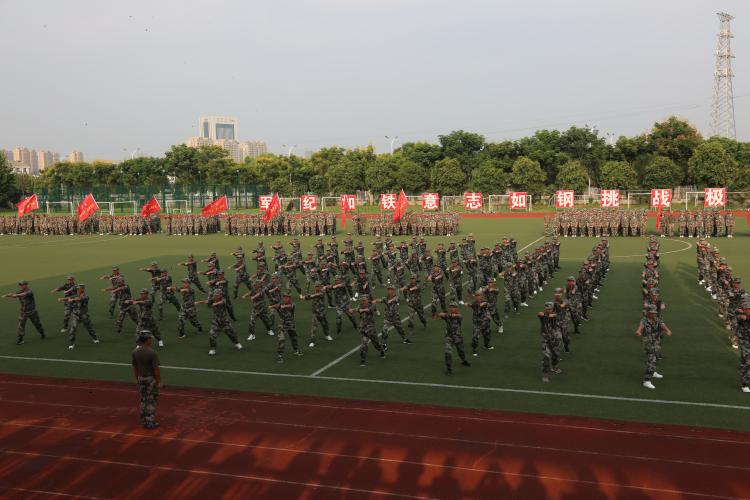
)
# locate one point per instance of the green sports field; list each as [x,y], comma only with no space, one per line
[602,376]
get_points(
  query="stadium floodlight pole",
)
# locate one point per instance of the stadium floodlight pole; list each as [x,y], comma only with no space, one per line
[393,141]
[291,148]
[132,155]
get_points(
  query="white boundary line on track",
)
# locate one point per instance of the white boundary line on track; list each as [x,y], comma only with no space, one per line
[342,488]
[688,247]
[207,473]
[405,383]
[382,433]
[51,493]
[355,349]
[389,411]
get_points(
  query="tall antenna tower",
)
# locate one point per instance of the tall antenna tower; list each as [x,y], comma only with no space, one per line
[722,106]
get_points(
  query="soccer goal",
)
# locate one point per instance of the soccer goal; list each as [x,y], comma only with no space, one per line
[59,207]
[177,207]
[118,207]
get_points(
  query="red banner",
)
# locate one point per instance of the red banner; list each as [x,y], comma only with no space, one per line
[609,198]
[309,202]
[151,207]
[430,201]
[401,205]
[273,208]
[473,201]
[216,207]
[87,208]
[714,197]
[388,201]
[28,205]
[264,201]
[661,198]
[565,198]
[518,200]
[348,203]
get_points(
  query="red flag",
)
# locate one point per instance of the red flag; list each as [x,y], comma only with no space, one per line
[27,205]
[658,217]
[87,208]
[401,205]
[216,207]
[273,208]
[345,210]
[151,207]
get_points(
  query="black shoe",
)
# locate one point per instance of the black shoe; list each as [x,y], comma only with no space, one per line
[180,337]
[449,371]
[465,363]
[151,425]
[382,354]
[407,341]
[20,342]
[43,335]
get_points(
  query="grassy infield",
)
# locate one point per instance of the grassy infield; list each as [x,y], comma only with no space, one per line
[607,359]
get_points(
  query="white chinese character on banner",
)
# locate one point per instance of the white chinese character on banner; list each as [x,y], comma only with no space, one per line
[388,201]
[518,200]
[564,199]
[715,197]
[348,201]
[661,198]
[472,201]
[610,198]
[430,201]
[264,201]
[309,202]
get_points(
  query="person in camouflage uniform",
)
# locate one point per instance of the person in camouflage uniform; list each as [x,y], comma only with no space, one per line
[285,310]
[318,319]
[80,314]
[743,340]
[413,295]
[220,283]
[167,293]
[562,311]
[28,311]
[122,291]
[113,277]
[550,341]
[155,272]
[455,280]
[220,322]
[649,329]
[240,268]
[146,319]
[736,295]
[69,289]
[145,364]
[491,294]
[341,296]
[187,309]
[511,293]
[453,337]
[575,304]
[481,323]
[391,318]
[367,311]
[192,272]
[438,290]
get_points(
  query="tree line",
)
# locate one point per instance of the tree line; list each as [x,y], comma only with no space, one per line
[672,153]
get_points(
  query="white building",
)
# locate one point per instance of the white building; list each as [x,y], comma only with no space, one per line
[217,128]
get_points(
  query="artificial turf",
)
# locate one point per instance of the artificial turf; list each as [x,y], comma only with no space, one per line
[607,359]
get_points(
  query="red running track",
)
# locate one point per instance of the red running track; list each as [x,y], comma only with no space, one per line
[69,438]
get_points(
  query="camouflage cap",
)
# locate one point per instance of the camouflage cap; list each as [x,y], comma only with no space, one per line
[143,336]
[651,309]
[218,291]
[144,290]
[70,277]
[549,305]
[154,264]
[115,268]
[81,285]
[453,304]
[737,280]
[746,301]
[186,280]
[558,290]
[23,282]
[571,278]
[654,291]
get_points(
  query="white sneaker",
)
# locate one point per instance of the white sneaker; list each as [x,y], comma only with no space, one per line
[462,302]
[595,297]
[270,332]
[212,352]
[541,289]
[71,347]
[648,385]
[311,344]
[251,337]
[658,375]
[475,354]
[746,388]
[500,330]
[713,296]
[161,343]
[328,337]
[96,341]
[238,346]
[524,304]
[63,330]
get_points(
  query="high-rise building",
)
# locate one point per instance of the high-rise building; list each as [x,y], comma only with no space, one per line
[196,142]
[22,156]
[55,158]
[217,127]
[252,149]
[75,157]
[232,147]
[45,159]
[8,154]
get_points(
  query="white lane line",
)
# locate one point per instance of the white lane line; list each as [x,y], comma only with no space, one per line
[403,320]
[688,247]
[406,383]
[204,472]
[52,493]
[184,393]
[378,459]
[345,488]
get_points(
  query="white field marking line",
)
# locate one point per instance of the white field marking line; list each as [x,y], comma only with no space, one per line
[688,247]
[52,493]
[407,383]
[382,433]
[207,473]
[264,401]
[338,360]
[345,488]
[104,239]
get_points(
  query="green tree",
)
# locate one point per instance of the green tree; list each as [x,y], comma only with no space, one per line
[8,192]
[447,177]
[585,145]
[465,147]
[380,175]
[675,139]
[527,175]
[544,147]
[345,177]
[489,178]
[618,175]
[412,177]
[422,153]
[712,166]
[573,175]
[662,172]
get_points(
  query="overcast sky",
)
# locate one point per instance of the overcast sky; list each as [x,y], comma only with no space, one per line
[101,76]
